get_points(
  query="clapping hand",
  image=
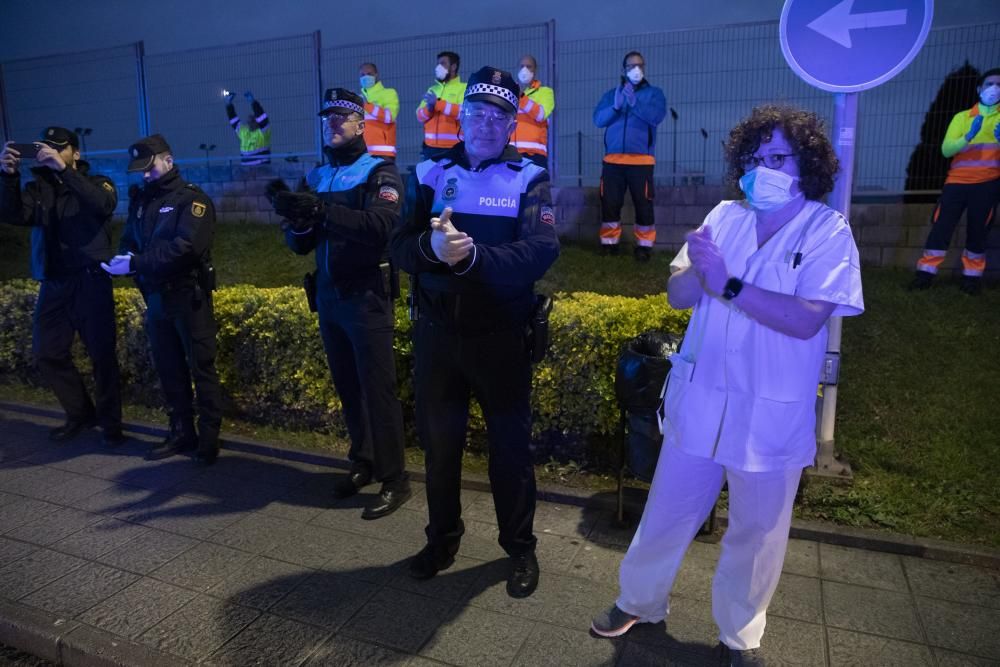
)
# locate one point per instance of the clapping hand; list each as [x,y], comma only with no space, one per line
[119,265]
[229,98]
[629,92]
[619,98]
[430,99]
[450,245]
[977,124]
[707,260]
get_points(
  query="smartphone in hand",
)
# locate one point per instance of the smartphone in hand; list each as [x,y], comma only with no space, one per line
[27,151]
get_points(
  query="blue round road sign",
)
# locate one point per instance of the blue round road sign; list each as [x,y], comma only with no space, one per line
[845,46]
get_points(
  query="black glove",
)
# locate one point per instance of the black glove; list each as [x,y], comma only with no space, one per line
[301,209]
[273,188]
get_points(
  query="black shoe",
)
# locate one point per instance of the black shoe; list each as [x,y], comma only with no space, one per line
[642,254]
[392,496]
[175,443]
[523,578]
[349,484]
[431,560]
[609,249]
[113,437]
[729,657]
[71,429]
[971,285]
[207,456]
[921,280]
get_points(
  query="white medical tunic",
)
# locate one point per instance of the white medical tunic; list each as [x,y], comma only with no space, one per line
[739,392]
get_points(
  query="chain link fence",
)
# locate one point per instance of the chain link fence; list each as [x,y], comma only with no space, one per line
[711,77]
[408,66]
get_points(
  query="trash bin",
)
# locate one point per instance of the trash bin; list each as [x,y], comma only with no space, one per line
[642,369]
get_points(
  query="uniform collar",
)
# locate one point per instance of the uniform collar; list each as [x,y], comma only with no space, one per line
[978,110]
[532,87]
[456,154]
[377,86]
[169,181]
[347,154]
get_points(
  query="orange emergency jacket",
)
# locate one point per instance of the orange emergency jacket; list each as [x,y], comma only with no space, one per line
[441,123]
[531,136]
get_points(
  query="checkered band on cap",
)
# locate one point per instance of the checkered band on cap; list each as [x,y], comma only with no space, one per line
[344,104]
[490,89]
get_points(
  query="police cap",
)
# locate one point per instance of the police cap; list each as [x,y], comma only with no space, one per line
[142,152]
[59,137]
[342,101]
[494,86]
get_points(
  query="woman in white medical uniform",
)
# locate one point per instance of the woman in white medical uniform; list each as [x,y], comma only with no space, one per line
[763,274]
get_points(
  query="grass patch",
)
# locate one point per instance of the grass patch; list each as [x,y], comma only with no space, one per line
[916,417]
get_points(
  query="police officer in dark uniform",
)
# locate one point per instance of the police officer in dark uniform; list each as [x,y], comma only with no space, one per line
[167,246]
[70,214]
[351,206]
[480,233]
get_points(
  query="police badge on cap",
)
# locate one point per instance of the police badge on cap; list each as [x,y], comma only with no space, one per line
[342,101]
[494,86]
[142,152]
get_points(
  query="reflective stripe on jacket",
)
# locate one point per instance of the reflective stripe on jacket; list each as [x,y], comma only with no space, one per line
[441,123]
[381,109]
[531,136]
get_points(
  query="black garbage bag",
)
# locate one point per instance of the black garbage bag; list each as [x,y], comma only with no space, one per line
[642,369]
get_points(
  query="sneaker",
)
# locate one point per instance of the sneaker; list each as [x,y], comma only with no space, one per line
[921,280]
[613,623]
[729,657]
[971,285]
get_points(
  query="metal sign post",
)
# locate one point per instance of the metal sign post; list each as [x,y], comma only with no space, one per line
[843,51]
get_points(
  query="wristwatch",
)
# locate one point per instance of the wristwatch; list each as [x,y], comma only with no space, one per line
[732,289]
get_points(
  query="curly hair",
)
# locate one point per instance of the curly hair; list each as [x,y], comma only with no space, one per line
[814,153]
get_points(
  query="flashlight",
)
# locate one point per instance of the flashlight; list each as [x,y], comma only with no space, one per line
[225,92]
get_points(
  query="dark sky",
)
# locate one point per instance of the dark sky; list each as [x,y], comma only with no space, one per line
[171,25]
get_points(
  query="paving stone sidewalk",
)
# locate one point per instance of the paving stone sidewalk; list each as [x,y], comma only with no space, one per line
[106,556]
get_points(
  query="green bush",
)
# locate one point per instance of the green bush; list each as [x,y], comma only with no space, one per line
[273,369]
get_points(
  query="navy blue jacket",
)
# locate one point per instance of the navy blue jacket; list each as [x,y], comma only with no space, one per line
[631,129]
[70,216]
[505,205]
[363,198]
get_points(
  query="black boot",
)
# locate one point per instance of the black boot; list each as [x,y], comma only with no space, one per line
[971,285]
[921,280]
[208,446]
[642,254]
[182,438]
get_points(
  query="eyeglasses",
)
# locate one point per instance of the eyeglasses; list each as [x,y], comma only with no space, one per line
[340,118]
[479,117]
[771,161]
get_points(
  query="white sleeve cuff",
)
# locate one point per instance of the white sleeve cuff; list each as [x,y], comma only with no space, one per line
[475,255]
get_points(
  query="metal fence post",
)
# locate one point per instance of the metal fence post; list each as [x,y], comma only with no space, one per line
[579,158]
[318,56]
[4,119]
[141,99]
[550,29]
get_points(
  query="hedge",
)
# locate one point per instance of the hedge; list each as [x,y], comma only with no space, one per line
[273,369]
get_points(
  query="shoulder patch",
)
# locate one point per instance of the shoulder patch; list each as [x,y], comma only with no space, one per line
[388,193]
[548,215]
[198,209]
[107,186]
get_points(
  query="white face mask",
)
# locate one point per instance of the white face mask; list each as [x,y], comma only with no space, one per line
[367,81]
[634,75]
[990,94]
[525,76]
[440,72]
[768,189]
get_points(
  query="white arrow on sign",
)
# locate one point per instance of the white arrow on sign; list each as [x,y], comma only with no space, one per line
[836,24]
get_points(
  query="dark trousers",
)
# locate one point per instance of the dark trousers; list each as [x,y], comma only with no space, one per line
[638,180]
[357,337]
[82,304]
[181,328]
[495,369]
[978,201]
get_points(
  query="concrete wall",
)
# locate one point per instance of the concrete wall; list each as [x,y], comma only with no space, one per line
[888,234]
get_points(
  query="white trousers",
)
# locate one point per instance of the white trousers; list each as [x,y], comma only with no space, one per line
[683,492]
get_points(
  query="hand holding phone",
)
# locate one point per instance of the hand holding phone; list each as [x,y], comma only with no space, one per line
[25,151]
[10,158]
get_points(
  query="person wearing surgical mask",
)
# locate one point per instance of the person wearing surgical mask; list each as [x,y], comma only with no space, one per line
[531,136]
[629,114]
[440,106]
[763,275]
[972,186]
[381,109]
